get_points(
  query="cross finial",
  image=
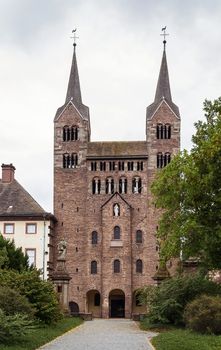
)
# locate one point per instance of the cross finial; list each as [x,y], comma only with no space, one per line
[74,37]
[164,36]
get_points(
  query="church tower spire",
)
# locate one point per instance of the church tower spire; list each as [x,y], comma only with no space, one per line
[163,84]
[74,89]
[163,92]
[73,94]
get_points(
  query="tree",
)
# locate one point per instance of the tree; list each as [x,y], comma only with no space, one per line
[166,303]
[189,192]
[12,257]
[40,294]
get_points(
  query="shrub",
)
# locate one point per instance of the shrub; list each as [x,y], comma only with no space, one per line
[13,327]
[39,293]
[11,302]
[170,298]
[204,314]
[12,257]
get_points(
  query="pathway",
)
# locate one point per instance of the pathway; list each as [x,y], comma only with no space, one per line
[100,334]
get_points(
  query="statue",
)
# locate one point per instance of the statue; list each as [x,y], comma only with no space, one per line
[116,210]
[62,249]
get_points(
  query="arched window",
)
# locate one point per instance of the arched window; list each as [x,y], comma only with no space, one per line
[109,185]
[74,160]
[116,232]
[136,185]
[66,160]
[74,133]
[116,266]
[123,185]
[167,131]
[159,131]
[159,160]
[96,186]
[167,158]
[94,237]
[139,266]
[66,133]
[139,236]
[93,267]
[97,299]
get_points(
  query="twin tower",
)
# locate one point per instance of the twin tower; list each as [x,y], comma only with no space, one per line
[103,202]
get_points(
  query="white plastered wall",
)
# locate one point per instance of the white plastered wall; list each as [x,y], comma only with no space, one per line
[38,241]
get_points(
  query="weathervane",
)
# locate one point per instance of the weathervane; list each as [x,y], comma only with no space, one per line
[164,36]
[74,37]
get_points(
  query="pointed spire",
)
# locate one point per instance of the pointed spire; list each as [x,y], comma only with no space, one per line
[163,84]
[74,90]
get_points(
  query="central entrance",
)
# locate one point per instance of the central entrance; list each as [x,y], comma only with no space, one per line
[117,303]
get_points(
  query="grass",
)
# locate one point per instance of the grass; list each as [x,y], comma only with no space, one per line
[145,325]
[43,335]
[186,340]
[172,338]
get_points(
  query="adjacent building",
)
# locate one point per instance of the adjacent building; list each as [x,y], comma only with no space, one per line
[25,221]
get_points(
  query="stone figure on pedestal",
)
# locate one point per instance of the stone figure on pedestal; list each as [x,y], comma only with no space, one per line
[62,249]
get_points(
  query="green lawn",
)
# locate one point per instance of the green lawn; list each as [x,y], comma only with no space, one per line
[40,336]
[186,340]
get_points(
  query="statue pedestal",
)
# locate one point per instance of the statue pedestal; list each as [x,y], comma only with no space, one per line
[60,278]
[161,274]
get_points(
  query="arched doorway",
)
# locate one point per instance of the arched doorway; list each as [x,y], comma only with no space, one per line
[117,303]
[94,302]
[74,308]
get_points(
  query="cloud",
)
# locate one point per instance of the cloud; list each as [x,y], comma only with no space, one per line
[119,53]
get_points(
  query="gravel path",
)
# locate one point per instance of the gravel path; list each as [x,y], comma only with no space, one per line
[100,334]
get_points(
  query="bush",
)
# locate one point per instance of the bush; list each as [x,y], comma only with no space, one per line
[11,302]
[39,293]
[13,327]
[12,257]
[170,298]
[204,314]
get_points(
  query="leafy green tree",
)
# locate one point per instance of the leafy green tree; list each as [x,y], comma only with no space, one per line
[12,327]
[39,293]
[166,303]
[204,314]
[12,302]
[188,191]
[12,257]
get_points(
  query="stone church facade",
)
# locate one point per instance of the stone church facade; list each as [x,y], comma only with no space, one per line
[103,203]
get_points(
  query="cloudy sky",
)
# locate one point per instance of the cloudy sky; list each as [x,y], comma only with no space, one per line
[119,53]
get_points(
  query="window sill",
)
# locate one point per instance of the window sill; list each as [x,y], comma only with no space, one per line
[116,243]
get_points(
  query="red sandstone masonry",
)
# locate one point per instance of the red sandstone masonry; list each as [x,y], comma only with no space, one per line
[79,212]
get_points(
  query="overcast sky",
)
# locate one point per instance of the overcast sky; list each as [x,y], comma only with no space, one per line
[119,54]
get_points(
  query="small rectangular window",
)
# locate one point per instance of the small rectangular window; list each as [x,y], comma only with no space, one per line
[130,166]
[111,166]
[59,289]
[102,166]
[31,228]
[139,166]
[9,228]
[93,166]
[31,253]
[121,166]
